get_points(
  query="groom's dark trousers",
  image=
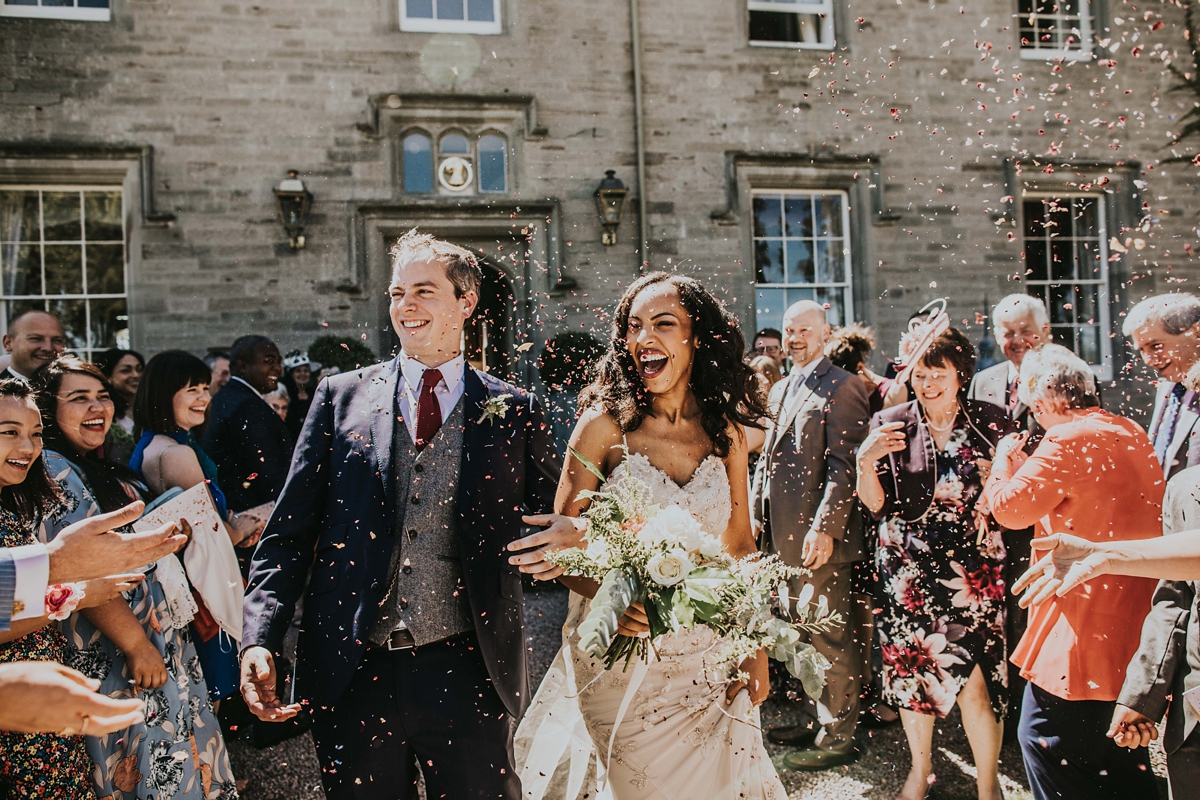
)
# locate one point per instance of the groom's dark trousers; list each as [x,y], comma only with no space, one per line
[380,541]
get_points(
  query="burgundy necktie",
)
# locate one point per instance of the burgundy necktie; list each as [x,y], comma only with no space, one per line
[429,411]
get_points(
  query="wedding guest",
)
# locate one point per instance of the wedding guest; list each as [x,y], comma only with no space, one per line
[920,473]
[298,380]
[33,764]
[34,338]
[172,403]
[279,401]
[218,363]
[767,372]
[1021,325]
[850,348]
[46,697]
[802,505]
[769,342]
[1095,474]
[123,368]
[248,442]
[131,644]
[1165,330]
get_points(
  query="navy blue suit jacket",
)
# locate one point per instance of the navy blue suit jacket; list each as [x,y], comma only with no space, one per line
[250,444]
[335,517]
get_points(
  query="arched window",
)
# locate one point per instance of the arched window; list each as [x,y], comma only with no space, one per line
[418,164]
[493,175]
[455,144]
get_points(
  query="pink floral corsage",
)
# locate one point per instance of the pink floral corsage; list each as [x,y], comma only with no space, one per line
[62,599]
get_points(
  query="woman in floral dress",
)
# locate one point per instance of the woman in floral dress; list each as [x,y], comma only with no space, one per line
[940,561]
[32,765]
[131,645]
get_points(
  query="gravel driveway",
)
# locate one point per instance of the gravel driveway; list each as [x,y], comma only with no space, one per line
[289,771]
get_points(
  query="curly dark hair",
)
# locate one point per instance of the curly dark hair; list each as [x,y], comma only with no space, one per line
[955,349]
[37,496]
[724,385]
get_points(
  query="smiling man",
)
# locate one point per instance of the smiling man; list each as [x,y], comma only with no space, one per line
[1165,331]
[34,339]
[407,485]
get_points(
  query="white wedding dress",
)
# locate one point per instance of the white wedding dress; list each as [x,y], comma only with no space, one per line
[676,739]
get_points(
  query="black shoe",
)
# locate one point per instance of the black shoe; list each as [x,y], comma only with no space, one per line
[871,721]
[813,759]
[794,735]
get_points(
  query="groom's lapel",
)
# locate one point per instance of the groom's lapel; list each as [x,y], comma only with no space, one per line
[474,438]
[383,413]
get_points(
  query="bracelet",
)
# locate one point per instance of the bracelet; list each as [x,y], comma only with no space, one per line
[62,599]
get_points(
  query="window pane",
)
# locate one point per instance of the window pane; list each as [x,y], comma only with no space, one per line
[1035,215]
[64,269]
[1089,264]
[768,261]
[58,2]
[829,215]
[109,321]
[769,306]
[449,9]
[73,316]
[492,174]
[766,217]
[1058,218]
[60,214]
[1035,261]
[455,143]
[20,3]
[1087,303]
[93,3]
[831,266]
[797,212]
[419,9]
[1087,220]
[1089,344]
[105,269]
[774,26]
[19,216]
[481,11]
[21,267]
[836,300]
[418,164]
[102,216]
[1062,260]
[800,261]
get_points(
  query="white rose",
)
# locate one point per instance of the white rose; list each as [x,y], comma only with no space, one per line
[669,568]
[671,525]
[709,546]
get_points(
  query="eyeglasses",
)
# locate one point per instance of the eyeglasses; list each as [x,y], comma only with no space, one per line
[768,350]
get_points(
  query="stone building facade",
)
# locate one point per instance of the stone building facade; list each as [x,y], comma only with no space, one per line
[875,154]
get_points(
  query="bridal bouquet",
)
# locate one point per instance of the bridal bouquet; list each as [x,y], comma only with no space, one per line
[660,557]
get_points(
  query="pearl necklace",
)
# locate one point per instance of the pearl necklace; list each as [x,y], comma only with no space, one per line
[929,422]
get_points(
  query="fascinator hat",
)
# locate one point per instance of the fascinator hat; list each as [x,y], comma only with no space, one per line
[929,323]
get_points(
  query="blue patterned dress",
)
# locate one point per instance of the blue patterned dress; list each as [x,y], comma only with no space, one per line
[179,751]
[38,765]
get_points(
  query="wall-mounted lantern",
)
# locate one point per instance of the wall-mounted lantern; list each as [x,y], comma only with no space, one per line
[610,202]
[293,201]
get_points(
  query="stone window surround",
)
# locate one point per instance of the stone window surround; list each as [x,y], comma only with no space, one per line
[408,24]
[826,15]
[435,135]
[1117,183]
[860,177]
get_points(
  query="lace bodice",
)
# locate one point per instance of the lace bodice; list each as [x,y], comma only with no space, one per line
[705,496]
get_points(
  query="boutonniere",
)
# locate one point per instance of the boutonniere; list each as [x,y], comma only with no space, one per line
[495,407]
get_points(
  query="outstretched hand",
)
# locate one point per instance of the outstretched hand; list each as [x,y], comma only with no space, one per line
[91,548]
[560,533]
[258,687]
[1071,560]
[45,697]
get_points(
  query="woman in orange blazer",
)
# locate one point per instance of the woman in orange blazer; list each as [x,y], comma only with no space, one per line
[1094,475]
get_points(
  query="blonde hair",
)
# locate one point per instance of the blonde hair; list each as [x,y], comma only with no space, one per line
[766,366]
[462,267]
[1054,373]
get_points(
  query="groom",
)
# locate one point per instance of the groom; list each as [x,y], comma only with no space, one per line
[409,480]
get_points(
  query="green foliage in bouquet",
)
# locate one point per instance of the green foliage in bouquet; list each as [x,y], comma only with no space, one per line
[660,557]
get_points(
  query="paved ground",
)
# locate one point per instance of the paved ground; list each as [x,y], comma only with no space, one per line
[289,771]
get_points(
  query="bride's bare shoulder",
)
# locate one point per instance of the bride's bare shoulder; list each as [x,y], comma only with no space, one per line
[597,427]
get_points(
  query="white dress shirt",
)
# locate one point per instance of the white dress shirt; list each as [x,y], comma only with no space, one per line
[244,383]
[32,562]
[803,373]
[448,390]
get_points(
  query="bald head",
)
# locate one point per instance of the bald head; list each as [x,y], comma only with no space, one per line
[805,331]
[34,339]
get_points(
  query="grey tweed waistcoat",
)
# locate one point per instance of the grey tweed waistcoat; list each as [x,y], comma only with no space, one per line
[425,586]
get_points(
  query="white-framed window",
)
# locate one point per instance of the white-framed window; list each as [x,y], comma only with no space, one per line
[791,23]
[801,252]
[86,10]
[1055,29]
[454,161]
[62,250]
[1066,265]
[450,16]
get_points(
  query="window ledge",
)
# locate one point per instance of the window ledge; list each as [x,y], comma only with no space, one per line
[828,47]
[59,12]
[1031,54]
[410,25]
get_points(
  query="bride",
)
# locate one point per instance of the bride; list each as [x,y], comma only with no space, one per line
[669,404]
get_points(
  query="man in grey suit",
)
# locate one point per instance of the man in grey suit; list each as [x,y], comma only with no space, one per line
[803,508]
[1167,662]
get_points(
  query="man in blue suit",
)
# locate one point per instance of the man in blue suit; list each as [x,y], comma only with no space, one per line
[410,480]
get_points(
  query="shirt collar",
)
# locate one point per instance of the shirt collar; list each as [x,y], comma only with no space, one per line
[413,370]
[244,383]
[1013,373]
[807,371]
[19,375]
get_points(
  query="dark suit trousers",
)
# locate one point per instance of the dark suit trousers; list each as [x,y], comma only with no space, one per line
[436,703]
[1016,619]
[1183,768]
[1068,757]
